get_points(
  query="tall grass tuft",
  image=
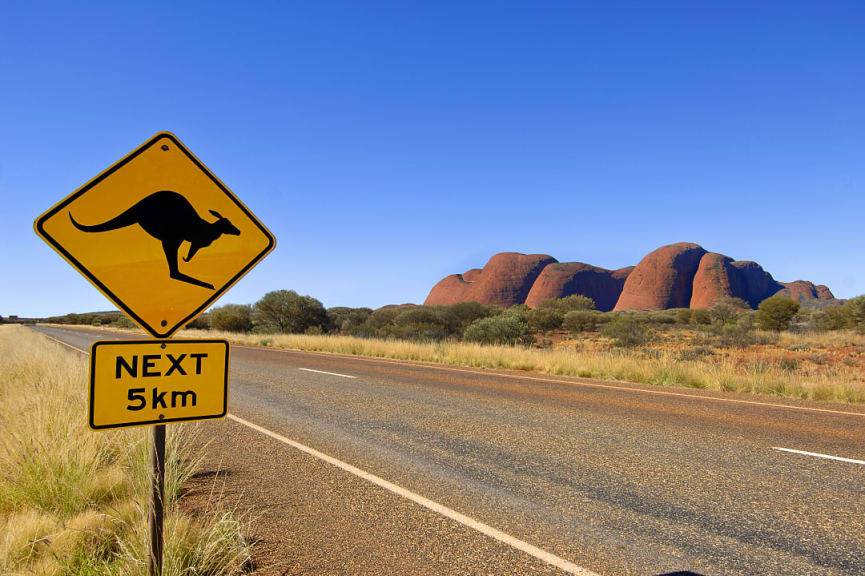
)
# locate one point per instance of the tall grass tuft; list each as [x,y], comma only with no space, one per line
[74,501]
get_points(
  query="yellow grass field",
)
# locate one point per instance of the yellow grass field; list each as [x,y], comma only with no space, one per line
[74,501]
[820,367]
[828,366]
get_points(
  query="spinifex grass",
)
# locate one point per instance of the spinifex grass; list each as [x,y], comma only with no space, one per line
[74,501]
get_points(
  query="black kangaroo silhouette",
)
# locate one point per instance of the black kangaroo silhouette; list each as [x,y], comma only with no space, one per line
[171,219]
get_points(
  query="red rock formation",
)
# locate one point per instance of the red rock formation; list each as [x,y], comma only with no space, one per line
[504,281]
[508,277]
[757,283]
[565,279]
[802,291]
[663,279]
[450,290]
[675,276]
[472,274]
[823,292]
[716,280]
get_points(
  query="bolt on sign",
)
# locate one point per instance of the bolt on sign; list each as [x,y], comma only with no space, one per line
[158,234]
[138,382]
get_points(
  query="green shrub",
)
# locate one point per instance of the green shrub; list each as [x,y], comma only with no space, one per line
[683,316]
[568,303]
[701,317]
[346,320]
[579,321]
[626,330]
[727,311]
[544,319]
[502,329]
[776,313]
[232,318]
[855,311]
[201,322]
[285,311]
[468,312]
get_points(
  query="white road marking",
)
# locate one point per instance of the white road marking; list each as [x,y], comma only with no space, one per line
[323,372]
[818,455]
[485,529]
[467,521]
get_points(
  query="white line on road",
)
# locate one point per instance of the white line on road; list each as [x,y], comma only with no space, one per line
[323,372]
[485,529]
[818,455]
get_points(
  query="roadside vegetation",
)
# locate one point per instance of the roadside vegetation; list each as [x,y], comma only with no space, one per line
[779,349]
[74,501]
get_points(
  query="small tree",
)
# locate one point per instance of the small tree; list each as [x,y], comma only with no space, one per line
[855,312]
[285,311]
[568,303]
[502,329]
[544,319]
[579,321]
[776,313]
[626,330]
[232,318]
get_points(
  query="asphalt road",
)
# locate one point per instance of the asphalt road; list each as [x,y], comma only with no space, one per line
[609,478]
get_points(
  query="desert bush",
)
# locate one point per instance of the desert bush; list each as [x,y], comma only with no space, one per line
[659,317]
[736,336]
[285,311]
[347,320]
[700,317]
[382,317]
[683,316]
[579,321]
[468,312]
[727,311]
[776,313]
[420,323]
[855,312]
[123,322]
[200,322]
[568,303]
[232,318]
[508,328]
[544,319]
[626,330]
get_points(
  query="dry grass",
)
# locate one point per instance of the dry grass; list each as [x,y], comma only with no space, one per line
[74,501]
[759,369]
[827,367]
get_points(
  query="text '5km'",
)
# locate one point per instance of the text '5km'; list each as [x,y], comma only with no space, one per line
[139,382]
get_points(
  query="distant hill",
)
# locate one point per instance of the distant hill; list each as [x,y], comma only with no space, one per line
[682,275]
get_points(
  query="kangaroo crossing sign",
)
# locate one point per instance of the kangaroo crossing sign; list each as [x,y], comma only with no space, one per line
[158,234]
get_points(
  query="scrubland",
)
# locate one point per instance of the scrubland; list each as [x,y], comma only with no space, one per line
[829,366]
[74,501]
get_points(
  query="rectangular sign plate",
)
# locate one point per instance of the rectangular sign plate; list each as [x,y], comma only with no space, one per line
[141,382]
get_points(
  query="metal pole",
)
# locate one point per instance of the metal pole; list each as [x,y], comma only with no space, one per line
[157,499]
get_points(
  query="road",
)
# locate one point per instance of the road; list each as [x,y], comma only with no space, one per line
[514,473]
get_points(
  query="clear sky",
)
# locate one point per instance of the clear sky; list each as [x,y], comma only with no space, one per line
[389,144]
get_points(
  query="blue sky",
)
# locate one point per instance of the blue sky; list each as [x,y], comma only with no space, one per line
[389,144]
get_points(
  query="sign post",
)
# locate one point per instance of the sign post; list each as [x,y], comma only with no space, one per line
[157,500]
[162,238]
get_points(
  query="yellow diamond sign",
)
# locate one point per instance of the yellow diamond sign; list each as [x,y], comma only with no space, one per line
[158,234]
